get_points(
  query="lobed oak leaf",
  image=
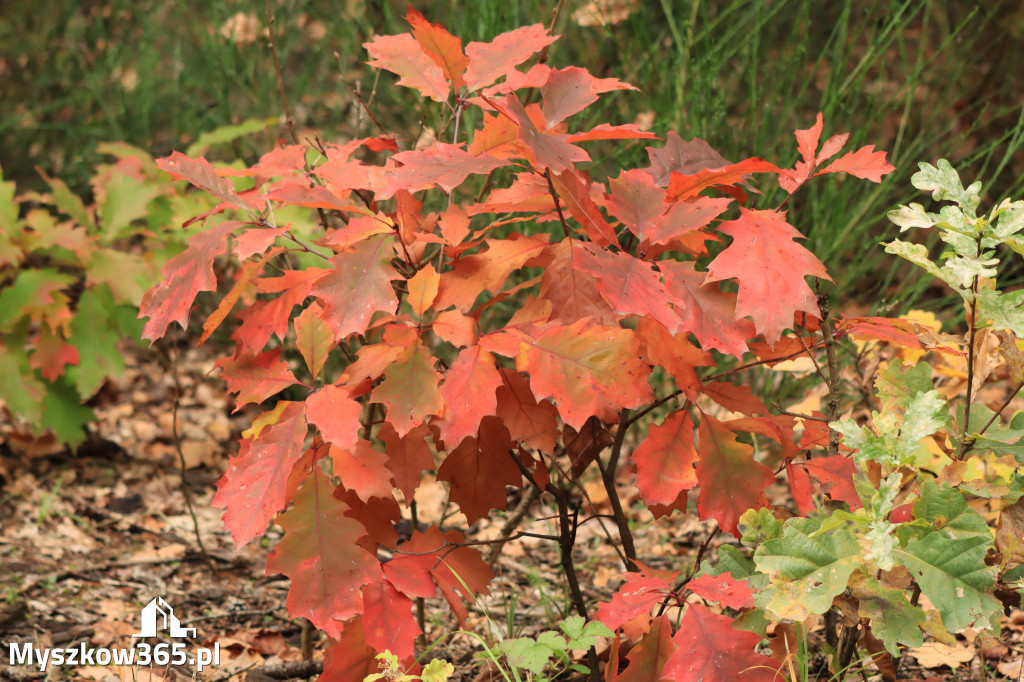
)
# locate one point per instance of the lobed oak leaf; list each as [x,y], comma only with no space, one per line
[401,54]
[455,328]
[607,131]
[574,189]
[440,45]
[710,649]
[647,659]
[498,137]
[319,552]
[665,460]
[778,427]
[359,286]
[770,268]
[684,217]
[528,192]
[254,488]
[636,201]
[469,392]
[335,414]
[243,282]
[635,597]
[388,620]
[379,516]
[675,353]
[706,312]
[629,285]
[184,276]
[314,338]
[431,558]
[490,61]
[295,194]
[734,397]
[573,293]
[410,388]
[682,186]
[836,475]
[687,158]
[441,164]
[408,456]
[587,370]
[487,271]
[527,420]
[423,289]
[800,488]
[454,225]
[731,481]
[807,145]
[362,470]
[480,468]
[204,176]
[255,377]
[571,90]
[549,150]
[724,589]
[865,163]
[350,658]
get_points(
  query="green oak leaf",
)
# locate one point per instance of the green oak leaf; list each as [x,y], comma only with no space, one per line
[945,185]
[807,569]
[894,620]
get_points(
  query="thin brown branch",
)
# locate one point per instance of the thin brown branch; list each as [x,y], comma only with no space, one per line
[181,458]
[833,373]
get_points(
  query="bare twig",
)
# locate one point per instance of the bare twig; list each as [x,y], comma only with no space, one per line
[181,458]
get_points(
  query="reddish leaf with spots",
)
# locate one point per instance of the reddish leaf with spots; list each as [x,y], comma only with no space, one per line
[731,482]
[709,649]
[320,555]
[636,597]
[771,269]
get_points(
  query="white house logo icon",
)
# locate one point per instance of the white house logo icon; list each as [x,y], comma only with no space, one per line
[158,614]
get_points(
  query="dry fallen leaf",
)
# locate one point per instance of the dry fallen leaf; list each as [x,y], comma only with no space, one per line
[935,655]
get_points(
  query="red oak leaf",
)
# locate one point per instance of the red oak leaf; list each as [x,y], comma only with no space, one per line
[687,158]
[574,189]
[587,370]
[709,649]
[526,193]
[314,338]
[388,621]
[408,456]
[571,90]
[480,468]
[800,487]
[527,420]
[256,240]
[487,271]
[636,597]
[455,328]
[731,481]
[410,388]
[254,488]
[734,397]
[573,293]
[423,289]
[445,165]
[636,201]
[295,194]
[687,186]
[255,377]
[469,392]
[647,659]
[319,552]
[440,45]
[361,470]
[629,285]
[185,275]
[454,225]
[807,144]
[664,460]
[432,558]
[707,312]
[778,427]
[359,286]
[490,61]
[770,268]
[607,131]
[350,658]
[204,176]
[243,283]
[550,150]
[401,54]
[865,163]
[835,474]
[724,589]
[675,353]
